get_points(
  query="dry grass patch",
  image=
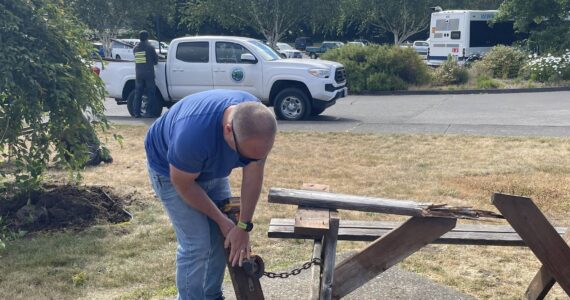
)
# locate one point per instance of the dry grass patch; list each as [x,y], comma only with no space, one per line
[136,260]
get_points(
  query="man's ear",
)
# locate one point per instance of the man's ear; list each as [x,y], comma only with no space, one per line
[227,128]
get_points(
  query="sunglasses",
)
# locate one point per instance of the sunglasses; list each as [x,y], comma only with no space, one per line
[242,157]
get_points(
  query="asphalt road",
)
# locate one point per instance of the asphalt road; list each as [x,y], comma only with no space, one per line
[522,114]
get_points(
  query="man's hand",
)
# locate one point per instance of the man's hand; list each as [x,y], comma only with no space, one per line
[238,242]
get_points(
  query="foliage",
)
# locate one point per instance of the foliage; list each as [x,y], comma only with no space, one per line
[379,67]
[486,82]
[400,18]
[546,20]
[46,85]
[107,17]
[271,18]
[7,235]
[450,72]
[504,62]
[549,68]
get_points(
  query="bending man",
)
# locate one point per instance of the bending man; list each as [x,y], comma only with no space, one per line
[191,150]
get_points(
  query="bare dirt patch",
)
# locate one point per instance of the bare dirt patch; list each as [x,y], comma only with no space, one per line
[63,206]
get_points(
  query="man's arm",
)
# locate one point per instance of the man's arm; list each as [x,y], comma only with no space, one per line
[237,238]
[154,56]
[252,182]
[185,184]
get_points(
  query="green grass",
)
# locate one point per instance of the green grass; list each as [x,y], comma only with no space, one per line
[135,260]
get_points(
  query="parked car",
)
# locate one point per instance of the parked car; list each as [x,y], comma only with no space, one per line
[315,52]
[356,43]
[421,48]
[98,50]
[295,88]
[301,43]
[122,49]
[288,51]
[406,44]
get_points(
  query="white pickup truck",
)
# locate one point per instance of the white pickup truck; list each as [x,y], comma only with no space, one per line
[297,88]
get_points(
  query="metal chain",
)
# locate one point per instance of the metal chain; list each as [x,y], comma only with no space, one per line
[297,271]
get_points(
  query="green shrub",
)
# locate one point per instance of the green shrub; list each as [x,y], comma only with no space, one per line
[485,82]
[379,68]
[450,72]
[504,62]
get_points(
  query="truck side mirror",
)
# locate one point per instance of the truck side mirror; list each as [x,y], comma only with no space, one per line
[248,58]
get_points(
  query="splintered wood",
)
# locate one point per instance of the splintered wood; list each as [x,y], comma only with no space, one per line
[325,200]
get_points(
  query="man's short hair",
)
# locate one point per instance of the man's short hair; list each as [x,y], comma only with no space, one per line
[253,120]
[143,35]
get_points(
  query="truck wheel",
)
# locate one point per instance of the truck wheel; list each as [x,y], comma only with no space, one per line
[131,104]
[317,111]
[118,57]
[292,104]
[313,55]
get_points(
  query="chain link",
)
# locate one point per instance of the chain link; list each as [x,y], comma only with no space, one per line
[297,271]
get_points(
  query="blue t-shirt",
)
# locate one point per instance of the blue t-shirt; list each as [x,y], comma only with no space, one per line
[190,136]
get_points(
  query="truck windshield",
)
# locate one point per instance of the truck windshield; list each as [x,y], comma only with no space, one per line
[264,50]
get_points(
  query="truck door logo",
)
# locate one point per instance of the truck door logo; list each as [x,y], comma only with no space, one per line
[237,74]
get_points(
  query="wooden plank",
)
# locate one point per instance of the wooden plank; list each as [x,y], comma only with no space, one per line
[329,257]
[316,271]
[394,224]
[245,287]
[540,285]
[312,221]
[462,234]
[387,251]
[539,235]
[338,201]
[331,201]
[543,281]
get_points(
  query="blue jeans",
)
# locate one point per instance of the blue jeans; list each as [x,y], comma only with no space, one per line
[200,256]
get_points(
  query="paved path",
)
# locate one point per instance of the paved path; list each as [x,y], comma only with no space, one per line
[524,114]
[395,283]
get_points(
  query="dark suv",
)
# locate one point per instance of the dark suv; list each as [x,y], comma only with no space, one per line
[301,43]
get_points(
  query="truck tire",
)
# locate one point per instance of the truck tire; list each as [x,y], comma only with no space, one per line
[157,111]
[118,57]
[292,104]
[313,55]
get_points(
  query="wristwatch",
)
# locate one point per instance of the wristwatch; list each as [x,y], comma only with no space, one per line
[245,226]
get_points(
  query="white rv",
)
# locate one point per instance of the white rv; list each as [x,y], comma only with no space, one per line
[464,33]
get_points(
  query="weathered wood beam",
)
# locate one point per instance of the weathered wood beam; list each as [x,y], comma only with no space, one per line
[331,201]
[387,251]
[462,234]
[312,221]
[316,271]
[329,257]
[543,281]
[533,227]
[245,287]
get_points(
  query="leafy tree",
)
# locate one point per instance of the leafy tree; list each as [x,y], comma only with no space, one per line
[271,18]
[546,20]
[46,85]
[108,17]
[400,18]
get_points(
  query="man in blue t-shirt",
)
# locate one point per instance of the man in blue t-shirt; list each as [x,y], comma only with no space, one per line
[191,150]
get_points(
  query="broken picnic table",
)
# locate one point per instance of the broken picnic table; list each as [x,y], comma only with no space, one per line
[317,218]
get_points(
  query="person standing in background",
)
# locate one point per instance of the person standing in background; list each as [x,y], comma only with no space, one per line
[145,60]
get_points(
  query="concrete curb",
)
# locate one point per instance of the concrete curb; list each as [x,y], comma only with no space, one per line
[462,92]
